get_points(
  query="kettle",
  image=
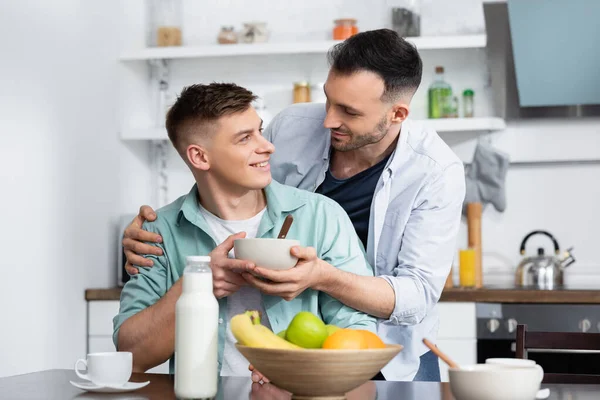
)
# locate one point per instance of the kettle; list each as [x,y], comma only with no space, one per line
[543,271]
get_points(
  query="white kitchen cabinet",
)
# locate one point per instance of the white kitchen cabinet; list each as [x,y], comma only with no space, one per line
[457,334]
[100,330]
[101,314]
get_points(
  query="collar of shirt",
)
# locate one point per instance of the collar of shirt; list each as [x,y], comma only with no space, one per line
[278,202]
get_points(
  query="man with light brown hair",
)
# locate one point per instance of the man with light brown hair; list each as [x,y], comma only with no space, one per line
[219,135]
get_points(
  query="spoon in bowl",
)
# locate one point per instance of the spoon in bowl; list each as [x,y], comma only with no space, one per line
[286,227]
[440,354]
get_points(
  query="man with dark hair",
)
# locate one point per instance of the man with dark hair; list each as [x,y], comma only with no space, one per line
[401,185]
[219,135]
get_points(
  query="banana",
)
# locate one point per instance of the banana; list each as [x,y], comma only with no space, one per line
[250,334]
[277,340]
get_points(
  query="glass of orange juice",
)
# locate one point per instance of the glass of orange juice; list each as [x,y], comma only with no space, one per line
[466,265]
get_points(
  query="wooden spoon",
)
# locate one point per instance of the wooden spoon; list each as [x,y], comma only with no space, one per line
[441,355]
[286,227]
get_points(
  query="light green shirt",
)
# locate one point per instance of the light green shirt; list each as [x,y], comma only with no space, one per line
[319,222]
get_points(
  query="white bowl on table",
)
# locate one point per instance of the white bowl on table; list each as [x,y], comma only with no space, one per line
[494,382]
[266,253]
[517,363]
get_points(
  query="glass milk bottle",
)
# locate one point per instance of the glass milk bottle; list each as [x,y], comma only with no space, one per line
[196,332]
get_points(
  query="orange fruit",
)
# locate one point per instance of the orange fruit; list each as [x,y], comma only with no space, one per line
[346,339]
[373,341]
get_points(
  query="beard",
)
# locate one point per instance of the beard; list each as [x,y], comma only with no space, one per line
[356,141]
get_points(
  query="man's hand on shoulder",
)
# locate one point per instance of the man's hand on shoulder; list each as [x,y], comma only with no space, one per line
[134,238]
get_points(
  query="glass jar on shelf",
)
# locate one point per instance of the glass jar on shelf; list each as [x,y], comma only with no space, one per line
[406,17]
[165,23]
[227,35]
[255,32]
[301,92]
[344,28]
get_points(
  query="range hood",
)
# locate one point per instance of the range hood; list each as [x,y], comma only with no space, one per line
[544,57]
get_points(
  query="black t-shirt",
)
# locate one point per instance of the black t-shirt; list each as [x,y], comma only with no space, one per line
[355,195]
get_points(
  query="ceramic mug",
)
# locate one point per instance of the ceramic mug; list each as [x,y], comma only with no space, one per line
[107,369]
[516,363]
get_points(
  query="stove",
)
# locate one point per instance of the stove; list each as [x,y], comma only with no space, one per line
[499,321]
[497,326]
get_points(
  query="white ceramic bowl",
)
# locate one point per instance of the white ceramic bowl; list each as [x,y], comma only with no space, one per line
[266,253]
[517,363]
[493,382]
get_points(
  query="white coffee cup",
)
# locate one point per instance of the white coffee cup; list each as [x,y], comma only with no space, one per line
[107,369]
[517,363]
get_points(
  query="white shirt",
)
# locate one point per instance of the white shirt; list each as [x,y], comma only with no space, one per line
[415,218]
[247,298]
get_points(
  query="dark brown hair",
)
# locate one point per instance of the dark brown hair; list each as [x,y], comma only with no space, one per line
[200,105]
[384,53]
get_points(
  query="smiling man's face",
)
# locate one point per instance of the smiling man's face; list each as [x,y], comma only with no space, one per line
[238,153]
[356,114]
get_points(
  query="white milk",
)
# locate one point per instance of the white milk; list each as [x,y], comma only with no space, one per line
[196,333]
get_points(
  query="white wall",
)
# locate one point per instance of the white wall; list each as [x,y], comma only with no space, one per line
[60,158]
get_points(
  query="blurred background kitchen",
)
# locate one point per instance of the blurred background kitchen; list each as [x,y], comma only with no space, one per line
[85,86]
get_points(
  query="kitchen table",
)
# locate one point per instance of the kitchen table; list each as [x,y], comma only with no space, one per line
[54,385]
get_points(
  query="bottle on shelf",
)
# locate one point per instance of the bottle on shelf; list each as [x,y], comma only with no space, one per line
[468,103]
[439,96]
[196,332]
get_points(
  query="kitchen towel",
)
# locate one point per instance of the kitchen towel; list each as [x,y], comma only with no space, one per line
[486,176]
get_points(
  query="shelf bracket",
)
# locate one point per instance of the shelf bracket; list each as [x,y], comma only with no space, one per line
[160,78]
[160,68]
[159,148]
[160,181]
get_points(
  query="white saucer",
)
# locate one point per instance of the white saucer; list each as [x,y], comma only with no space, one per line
[92,387]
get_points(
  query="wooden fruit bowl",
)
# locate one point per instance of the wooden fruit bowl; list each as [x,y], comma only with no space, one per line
[319,373]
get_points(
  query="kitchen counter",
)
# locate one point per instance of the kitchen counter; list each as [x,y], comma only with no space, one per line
[517,295]
[485,295]
[103,294]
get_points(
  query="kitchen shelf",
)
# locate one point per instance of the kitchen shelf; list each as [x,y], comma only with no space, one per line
[440,125]
[274,48]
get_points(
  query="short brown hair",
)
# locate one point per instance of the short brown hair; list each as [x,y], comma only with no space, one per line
[199,105]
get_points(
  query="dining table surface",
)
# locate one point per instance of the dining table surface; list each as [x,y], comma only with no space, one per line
[55,384]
